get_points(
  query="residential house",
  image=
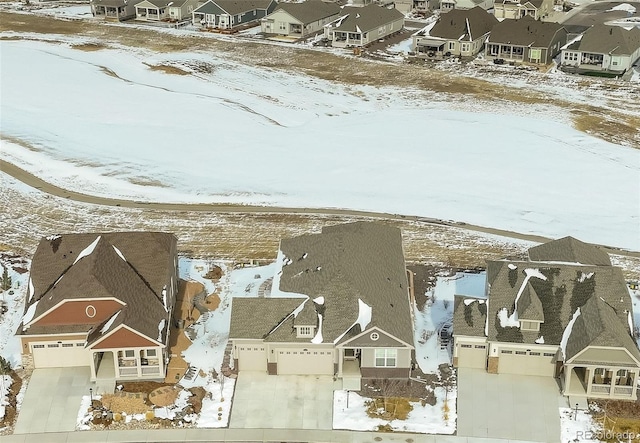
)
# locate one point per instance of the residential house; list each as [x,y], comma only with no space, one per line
[360,26]
[171,10]
[113,9]
[104,301]
[339,306]
[459,33]
[231,14]
[565,312]
[602,48]
[182,10]
[299,20]
[448,5]
[515,9]
[525,40]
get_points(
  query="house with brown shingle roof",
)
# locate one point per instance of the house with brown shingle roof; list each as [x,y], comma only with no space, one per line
[299,20]
[231,14]
[515,9]
[339,305]
[460,33]
[565,313]
[602,48]
[103,301]
[360,26]
[525,40]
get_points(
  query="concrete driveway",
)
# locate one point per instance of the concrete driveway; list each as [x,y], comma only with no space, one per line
[52,400]
[282,401]
[514,407]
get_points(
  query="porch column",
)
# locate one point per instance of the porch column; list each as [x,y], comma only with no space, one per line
[138,363]
[589,374]
[116,364]
[93,366]
[612,383]
[567,378]
[340,360]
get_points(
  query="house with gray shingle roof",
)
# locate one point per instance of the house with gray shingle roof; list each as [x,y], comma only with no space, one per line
[299,20]
[525,40]
[119,10]
[515,9]
[602,48]
[104,301]
[339,305]
[231,14]
[565,312]
[460,33]
[448,5]
[360,26]
[171,10]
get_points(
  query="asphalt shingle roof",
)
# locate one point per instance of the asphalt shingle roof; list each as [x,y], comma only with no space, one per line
[453,24]
[525,32]
[469,316]
[615,40]
[254,318]
[367,18]
[232,7]
[310,11]
[570,250]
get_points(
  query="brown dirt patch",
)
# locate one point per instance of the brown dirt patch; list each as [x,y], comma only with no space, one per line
[127,402]
[212,301]
[391,408]
[89,47]
[145,387]
[618,128]
[164,396]
[215,273]
[168,69]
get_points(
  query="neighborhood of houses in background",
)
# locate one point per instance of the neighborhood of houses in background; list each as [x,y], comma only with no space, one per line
[339,303]
[502,31]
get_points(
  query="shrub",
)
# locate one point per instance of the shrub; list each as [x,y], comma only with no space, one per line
[5,366]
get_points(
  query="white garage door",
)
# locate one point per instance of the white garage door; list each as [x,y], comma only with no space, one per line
[59,354]
[522,362]
[299,362]
[472,356]
[252,358]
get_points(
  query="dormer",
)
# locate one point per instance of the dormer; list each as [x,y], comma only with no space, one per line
[305,331]
[529,307]
[305,322]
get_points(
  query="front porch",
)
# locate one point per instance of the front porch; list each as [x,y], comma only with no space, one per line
[343,39]
[600,382]
[150,14]
[349,369]
[127,364]
[110,12]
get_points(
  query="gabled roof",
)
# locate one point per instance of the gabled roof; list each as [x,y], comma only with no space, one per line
[614,40]
[358,270]
[570,250]
[156,3]
[536,3]
[232,7]
[255,318]
[365,19]
[598,325]
[529,305]
[132,267]
[561,289]
[114,3]
[463,24]
[310,11]
[525,32]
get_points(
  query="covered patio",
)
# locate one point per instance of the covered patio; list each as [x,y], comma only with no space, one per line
[599,381]
[136,363]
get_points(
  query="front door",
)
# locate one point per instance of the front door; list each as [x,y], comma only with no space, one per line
[224,21]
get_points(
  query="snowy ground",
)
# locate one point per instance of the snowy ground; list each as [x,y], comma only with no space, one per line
[578,428]
[9,343]
[324,132]
[423,419]
[437,312]
[635,300]
[5,385]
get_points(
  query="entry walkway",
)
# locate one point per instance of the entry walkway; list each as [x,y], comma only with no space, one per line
[52,401]
[506,406]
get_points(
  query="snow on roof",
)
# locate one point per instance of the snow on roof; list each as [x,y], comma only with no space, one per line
[108,324]
[319,300]
[529,272]
[623,7]
[53,237]
[318,338]
[585,276]
[161,328]
[88,250]
[507,320]
[512,266]
[31,290]
[468,301]
[630,320]
[164,297]
[364,314]
[567,332]
[298,310]
[540,340]
[119,253]
[28,316]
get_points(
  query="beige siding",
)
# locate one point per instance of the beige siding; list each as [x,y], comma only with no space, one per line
[368,358]
[277,20]
[526,362]
[472,355]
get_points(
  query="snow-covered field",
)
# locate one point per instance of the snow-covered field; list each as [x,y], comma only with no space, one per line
[103,122]
[578,427]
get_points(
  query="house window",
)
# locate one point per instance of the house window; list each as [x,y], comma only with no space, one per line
[374,336]
[465,346]
[529,325]
[548,354]
[53,345]
[506,352]
[38,346]
[129,353]
[305,331]
[534,353]
[452,46]
[480,347]
[151,352]
[464,47]
[90,311]
[521,352]
[386,358]
[67,345]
